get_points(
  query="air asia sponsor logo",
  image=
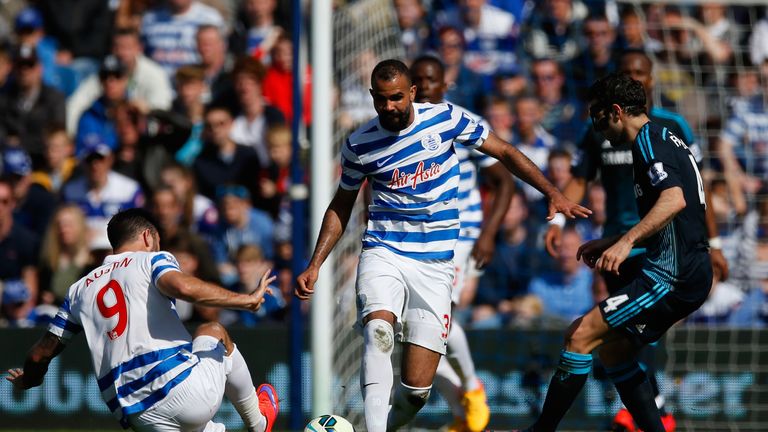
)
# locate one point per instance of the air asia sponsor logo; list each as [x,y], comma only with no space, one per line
[402,179]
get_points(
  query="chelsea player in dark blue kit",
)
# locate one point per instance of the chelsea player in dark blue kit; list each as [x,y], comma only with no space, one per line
[676,274]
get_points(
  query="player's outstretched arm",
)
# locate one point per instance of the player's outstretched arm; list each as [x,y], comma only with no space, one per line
[671,201]
[189,288]
[334,223]
[503,186]
[36,364]
[519,164]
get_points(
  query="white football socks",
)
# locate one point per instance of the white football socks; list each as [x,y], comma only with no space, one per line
[376,373]
[448,384]
[460,357]
[240,391]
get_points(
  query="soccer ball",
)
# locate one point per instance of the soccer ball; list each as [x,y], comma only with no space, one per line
[329,423]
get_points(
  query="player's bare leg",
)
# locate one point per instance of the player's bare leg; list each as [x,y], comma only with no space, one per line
[417,368]
[257,409]
[376,374]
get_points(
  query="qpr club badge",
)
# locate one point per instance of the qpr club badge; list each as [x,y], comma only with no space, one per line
[431,142]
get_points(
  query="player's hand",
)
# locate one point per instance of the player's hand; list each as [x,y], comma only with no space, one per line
[257,296]
[558,203]
[611,259]
[306,283]
[483,250]
[590,251]
[16,377]
[552,240]
[719,264]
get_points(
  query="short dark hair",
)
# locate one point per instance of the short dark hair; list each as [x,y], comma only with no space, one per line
[388,70]
[619,89]
[127,224]
[429,59]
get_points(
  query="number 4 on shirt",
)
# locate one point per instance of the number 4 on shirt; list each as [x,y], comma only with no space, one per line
[612,303]
[119,308]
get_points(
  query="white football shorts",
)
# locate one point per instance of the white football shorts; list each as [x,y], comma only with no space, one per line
[466,268]
[417,292]
[191,405]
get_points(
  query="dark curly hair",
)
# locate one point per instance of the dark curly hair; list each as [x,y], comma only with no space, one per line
[619,89]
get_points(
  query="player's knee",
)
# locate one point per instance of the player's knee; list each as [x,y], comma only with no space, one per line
[579,338]
[216,330]
[379,335]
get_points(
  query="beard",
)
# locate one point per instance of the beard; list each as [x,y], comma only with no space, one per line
[396,121]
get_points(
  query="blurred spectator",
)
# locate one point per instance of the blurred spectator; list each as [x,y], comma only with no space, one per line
[507,275]
[18,261]
[60,163]
[222,159]
[498,112]
[411,16]
[743,150]
[251,267]
[82,28]
[239,224]
[490,35]
[278,82]
[212,47]
[510,82]
[101,192]
[563,115]
[354,95]
[535,142]
[130,12]
[138,156]
[554,30]
[559,168]
[592,227]
[185,252]
[565,293]
[256,115]
[169,32]
[270,190]
[65,255]
[170,217]
[597,59]
[34,204]
[633,32]
[465,87]
[97,122]
[707,43]
[758,41]
[189,103]
[198,212]
[530,136]
[256,32]
[29,31]
[148,85]
[29,106]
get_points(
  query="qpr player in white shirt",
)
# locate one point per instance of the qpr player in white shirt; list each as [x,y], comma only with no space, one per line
[152,374]
[405,274]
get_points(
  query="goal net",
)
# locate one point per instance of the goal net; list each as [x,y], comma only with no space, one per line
[365,32]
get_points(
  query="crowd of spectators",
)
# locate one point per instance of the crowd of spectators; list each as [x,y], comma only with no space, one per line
[184,107]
